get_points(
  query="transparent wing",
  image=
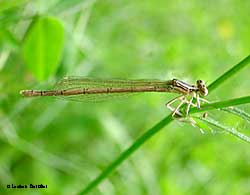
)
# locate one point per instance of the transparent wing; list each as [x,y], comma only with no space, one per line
[92,83]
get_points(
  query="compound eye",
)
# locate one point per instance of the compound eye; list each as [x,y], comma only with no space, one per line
[199,82]
[202,87]
[204,91]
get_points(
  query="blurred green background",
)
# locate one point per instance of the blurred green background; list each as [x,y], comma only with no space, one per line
[67,144]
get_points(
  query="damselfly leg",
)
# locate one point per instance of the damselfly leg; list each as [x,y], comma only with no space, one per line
[174,110]
[184,100]
[190,103]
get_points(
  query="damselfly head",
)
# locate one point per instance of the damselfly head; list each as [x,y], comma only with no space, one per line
[202,87]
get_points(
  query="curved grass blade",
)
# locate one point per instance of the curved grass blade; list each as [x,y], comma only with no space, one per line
[235,69]
[147,135]
[203,127]
[230,130]
[166,121]
[221,104]
[238,112]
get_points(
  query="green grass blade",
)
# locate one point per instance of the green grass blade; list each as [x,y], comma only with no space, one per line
[148,134]
[204,127]
[229,73]
[222,104]
[238,112]
[232,131]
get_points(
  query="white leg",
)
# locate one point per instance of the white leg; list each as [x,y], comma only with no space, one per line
[203,100]
[171,102]
[181,103]
[198,101]
[174,111]
[189,104]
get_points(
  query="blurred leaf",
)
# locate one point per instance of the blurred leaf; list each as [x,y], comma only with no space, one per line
[7,39]
[66,5]
[42,47]
[4,5]
[10,16]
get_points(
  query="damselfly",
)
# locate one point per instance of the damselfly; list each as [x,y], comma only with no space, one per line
[90,89]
